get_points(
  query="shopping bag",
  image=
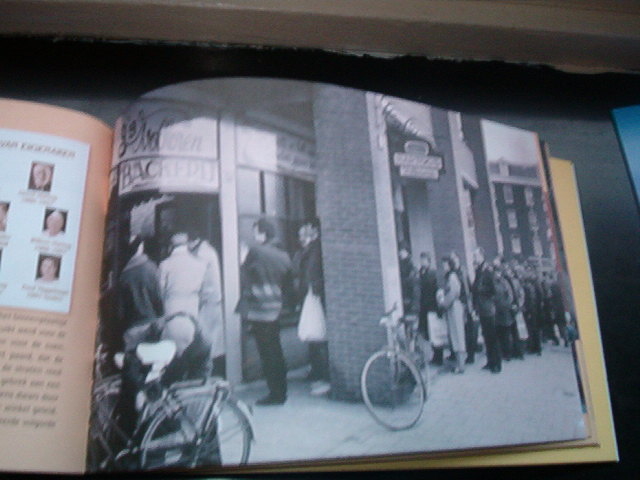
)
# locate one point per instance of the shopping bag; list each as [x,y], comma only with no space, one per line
[312,326]
[523,333]
[438,333]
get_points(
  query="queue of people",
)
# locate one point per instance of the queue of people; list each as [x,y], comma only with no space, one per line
[514,305]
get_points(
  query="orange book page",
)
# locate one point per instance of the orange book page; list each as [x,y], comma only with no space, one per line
[53,193]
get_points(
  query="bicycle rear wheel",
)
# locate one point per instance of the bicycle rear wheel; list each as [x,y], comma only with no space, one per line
[187,436]
[393,390]
[174,436]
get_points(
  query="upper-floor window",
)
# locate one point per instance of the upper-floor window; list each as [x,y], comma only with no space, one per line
[512,218]
[507,191]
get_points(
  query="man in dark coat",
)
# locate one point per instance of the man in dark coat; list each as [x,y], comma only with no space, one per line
[558,310]
[408,281]
[428,287]
[483,291]
[532,311]
[266,288]
[139,297]
[307,265]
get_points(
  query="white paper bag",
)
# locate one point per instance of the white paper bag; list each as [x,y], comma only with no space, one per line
[312,326]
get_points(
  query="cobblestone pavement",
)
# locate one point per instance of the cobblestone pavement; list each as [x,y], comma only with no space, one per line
[531,401]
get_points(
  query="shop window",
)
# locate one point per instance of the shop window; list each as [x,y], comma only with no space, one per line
[512,218]
[275,195]
[507,191]
[249,192]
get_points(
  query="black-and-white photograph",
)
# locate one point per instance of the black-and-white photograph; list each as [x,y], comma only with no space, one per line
[41,176]
[4,215]
[334,273]
[55,222]
[48,269]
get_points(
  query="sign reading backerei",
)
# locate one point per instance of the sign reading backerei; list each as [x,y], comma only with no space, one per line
[163,151]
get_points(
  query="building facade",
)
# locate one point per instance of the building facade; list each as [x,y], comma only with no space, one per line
[376,171]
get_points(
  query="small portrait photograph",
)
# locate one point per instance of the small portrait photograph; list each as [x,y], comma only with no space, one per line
[41,176]
[55,222]
[48,268]
[4,215]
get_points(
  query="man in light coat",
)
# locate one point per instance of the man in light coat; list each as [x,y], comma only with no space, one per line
[211,318]
[185,282]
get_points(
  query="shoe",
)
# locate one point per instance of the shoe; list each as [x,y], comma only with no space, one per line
[487,367]
[271,400]
[458,371]
[496,369]
[469,361]
[320,388]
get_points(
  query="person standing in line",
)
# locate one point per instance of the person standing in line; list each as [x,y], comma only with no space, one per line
[266,283]
[548,332]
[139,298]
[185,282]
[557,310]
[430,325]
[211,317]
[504,311]
[408,281]
[483,292]
[454,312]
[532,312]
[307,263]
[471,326]
[517,305]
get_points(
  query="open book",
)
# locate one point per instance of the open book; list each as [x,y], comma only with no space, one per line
[412,283]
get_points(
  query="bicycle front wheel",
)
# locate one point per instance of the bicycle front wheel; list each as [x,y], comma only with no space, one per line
[393,390]
[234,434]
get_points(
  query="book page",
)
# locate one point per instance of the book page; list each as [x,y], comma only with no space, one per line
[318,209]
[52,201]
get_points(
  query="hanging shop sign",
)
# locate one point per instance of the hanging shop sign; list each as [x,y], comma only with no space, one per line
[418,165]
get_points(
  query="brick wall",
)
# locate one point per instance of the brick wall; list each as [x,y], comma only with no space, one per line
[347,211]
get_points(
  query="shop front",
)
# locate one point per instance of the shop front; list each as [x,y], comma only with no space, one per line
[210,172]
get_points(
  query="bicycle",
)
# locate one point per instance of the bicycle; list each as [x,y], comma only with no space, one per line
[188,420]
[394,380]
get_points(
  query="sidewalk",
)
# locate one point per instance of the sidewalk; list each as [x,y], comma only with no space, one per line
[531,401]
